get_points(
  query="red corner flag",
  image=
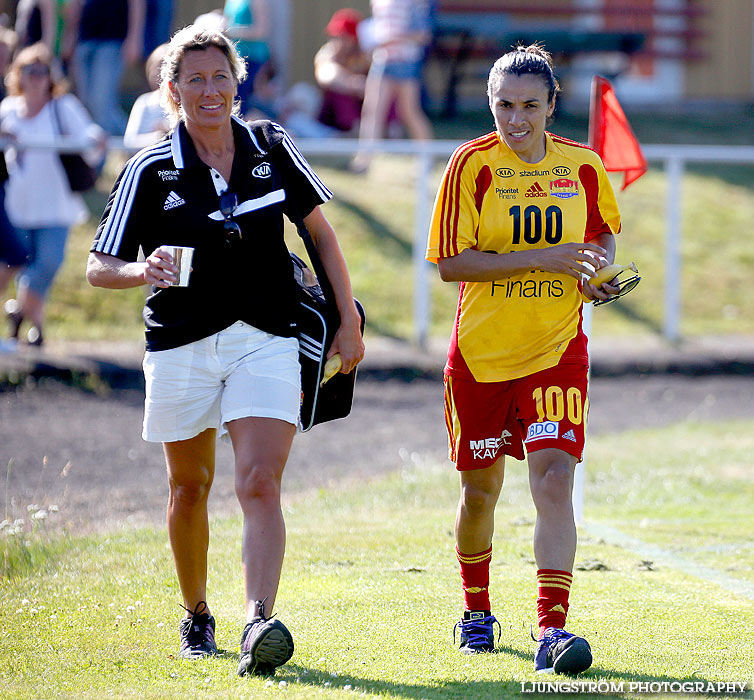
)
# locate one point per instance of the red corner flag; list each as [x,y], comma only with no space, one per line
[611,135]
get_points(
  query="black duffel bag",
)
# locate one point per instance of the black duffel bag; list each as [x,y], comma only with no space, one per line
[318,321]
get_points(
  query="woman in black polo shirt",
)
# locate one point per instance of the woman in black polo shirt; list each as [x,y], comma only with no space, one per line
[221,352]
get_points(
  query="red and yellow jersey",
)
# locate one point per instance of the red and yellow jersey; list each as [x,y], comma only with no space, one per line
[491,200]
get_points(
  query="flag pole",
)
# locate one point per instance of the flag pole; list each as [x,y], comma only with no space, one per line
[577,496]
[592,111]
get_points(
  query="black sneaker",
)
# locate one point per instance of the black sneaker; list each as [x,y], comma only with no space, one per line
[477,631]
[197,634]
[265,645]
[562,652]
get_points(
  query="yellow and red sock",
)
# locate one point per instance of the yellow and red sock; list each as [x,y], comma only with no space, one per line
[475,577]
[553,588]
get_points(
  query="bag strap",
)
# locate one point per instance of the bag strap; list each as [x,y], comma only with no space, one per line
[56,116]
[316,261]
[272,139]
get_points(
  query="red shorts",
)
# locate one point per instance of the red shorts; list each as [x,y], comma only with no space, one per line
[486,420]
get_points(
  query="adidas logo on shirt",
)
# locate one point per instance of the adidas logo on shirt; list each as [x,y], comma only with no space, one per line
[569,436]
[173,201]
[535,191]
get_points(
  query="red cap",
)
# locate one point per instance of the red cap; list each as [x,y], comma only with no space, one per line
[344,22]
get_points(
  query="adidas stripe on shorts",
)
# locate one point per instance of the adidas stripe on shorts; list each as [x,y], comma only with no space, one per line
[486,420]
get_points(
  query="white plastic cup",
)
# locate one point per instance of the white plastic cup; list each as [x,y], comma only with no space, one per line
[182,256]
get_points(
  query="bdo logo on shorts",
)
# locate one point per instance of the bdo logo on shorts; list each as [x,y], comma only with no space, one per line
[541,431]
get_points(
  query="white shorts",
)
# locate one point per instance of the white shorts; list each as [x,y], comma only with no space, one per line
[239,372]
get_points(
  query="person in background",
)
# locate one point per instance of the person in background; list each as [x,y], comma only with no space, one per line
[249,23]
[158,21]
[148,121]
[400,30]
[222,352]
[101,38]
[521,217]
[8,45]
[340,69]
[13,253]
[212,21]
[39,200]
[36,20]
[295,109]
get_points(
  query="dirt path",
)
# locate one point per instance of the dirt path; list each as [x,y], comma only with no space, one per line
[84,453]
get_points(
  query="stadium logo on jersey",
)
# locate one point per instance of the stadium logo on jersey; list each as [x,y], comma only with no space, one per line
[534,173]
[487,448]
[173,201]
[262,171]
[506,192]
[535,191]
[168,174]
[505,172]
[542,431]
[563,188]
[561,171]
[569,436]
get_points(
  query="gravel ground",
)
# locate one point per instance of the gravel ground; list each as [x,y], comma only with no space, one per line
[84,453]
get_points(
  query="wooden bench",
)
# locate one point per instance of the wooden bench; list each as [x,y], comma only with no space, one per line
[465,32]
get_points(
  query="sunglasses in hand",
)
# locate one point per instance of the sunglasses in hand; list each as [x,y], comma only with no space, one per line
[611,274]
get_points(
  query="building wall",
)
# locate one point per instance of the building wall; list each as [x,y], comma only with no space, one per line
[726,71]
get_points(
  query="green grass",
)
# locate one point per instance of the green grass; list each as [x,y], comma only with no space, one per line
[371,591]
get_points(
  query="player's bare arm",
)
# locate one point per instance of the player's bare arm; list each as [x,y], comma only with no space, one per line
[573,259]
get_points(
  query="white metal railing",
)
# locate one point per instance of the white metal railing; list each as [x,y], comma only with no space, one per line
[673,157]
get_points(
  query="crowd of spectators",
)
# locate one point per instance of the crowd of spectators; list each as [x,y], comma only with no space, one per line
[375,60]
[53,46]
[63,62]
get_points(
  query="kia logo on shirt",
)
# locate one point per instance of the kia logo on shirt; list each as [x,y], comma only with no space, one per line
[561,171]
[505,172]
[263,170]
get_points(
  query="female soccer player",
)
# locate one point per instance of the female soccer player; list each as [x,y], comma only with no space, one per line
[521,217]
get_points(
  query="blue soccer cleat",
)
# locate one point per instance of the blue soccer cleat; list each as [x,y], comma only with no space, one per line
[562,652]
[477,632]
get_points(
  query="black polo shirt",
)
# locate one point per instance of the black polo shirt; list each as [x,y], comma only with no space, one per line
[167,196]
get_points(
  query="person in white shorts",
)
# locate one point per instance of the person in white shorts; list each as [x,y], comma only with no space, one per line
[221,352]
